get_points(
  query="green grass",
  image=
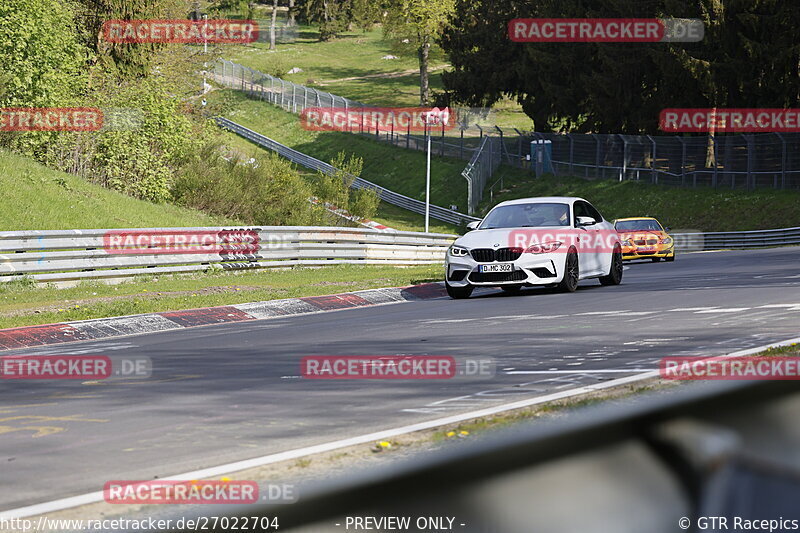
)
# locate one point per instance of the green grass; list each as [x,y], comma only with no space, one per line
[399,169]
[403,220]
[35,197]
[23,303]
[355,55]
[702,209]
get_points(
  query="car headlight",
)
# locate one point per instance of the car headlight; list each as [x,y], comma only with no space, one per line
[627,242]
[543,248]
[666,240]
[457,251]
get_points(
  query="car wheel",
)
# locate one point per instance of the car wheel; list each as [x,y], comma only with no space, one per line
[458,293]
[670,259]
[615,274]
[511,288]
[571,273]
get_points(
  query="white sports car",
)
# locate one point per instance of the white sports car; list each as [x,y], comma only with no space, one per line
[553,241]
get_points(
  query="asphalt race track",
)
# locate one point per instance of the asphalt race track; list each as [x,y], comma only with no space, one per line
[229,392]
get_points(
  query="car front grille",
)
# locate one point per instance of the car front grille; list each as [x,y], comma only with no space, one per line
[487,255]
[497,277]
[645,242]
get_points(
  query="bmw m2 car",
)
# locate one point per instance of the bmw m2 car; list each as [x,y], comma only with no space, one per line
[644,238]
[554,241]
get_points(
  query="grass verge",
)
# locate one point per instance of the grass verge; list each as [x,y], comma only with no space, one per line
[36,197]
[25,303]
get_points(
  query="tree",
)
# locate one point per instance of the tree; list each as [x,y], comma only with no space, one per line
[749,58]
[331,16]
[421,22]
[41,57]
[272,24]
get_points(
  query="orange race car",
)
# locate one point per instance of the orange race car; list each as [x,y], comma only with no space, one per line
[644,238]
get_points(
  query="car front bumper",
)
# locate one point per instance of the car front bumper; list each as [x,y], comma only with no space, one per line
[644,252]
[529,269]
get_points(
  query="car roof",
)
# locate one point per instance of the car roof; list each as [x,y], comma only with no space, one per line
[542,200]
[635,218]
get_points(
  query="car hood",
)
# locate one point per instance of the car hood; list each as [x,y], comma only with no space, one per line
[501,238]
[641,234]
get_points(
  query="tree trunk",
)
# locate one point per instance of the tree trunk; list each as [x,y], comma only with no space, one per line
[272,24]
[424,89]
[291,22]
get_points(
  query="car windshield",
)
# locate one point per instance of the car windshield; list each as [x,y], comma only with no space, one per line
[638,225]
[527,216]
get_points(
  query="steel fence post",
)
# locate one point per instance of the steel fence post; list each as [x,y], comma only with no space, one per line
[571,154]
[716,163]
[783,160]
[653,172]
[597,155]
[750,149]
[683,161]
[624,169]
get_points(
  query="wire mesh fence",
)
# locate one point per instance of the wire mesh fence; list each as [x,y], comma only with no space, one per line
[745,161]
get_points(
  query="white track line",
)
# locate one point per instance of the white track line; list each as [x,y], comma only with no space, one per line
[606,371]
[95,497]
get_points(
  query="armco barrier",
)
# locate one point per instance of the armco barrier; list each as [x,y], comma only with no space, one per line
[417,206]
[737,239]
[68,255]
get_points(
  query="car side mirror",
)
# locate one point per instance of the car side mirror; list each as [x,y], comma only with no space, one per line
[473,225]
[586,221]
[667,229]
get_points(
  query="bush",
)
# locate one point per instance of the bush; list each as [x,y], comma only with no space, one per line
[263,191]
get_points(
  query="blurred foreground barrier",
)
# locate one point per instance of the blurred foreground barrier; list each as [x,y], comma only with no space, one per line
[67,255]
[666,462]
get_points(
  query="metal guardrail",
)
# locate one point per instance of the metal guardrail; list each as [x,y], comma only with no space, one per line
[72,255]
[417,206]
[737,239]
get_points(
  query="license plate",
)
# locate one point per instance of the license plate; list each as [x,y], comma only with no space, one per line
[502,267]
[647,248]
